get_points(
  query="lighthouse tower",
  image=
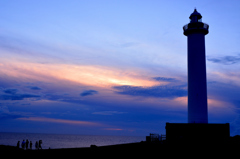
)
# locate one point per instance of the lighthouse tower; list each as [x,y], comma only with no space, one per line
[197,86]
[197,131]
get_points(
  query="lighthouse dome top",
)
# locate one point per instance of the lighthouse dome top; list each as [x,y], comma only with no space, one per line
[195,16]
[196,25]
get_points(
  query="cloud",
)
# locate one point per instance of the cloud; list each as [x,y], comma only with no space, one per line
[63,121]
[35,88]
[9,116]
[11,94]
[10,91]
[113,129]
[229,78]
[88,92]
[165,79]
[6,114]
[17,96]
[166,91]
[108,112]
[226,60]
[98,76]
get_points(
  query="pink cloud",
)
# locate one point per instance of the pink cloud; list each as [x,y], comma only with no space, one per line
[63,121]
[113,129]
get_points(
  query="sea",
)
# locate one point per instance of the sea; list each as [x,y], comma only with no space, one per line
[54,141]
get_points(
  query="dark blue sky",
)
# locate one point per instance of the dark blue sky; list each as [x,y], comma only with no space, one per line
[112,67]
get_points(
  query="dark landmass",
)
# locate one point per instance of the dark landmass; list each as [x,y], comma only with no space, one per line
[140,149]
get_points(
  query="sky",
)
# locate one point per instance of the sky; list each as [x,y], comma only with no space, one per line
[112,67]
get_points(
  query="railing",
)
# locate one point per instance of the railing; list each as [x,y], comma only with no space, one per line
[163,137]
[205,26]
[185,27]
[154,137]
[196,25]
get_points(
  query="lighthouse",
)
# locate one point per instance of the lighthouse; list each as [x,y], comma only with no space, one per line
[197,130]
[197,85]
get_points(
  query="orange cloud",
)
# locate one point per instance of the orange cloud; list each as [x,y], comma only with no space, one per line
[218,104]
[182,100]
[87,75]
[220,108]
[63,121]
[213,104]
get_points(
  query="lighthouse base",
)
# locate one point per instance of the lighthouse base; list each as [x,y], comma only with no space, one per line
[196,133]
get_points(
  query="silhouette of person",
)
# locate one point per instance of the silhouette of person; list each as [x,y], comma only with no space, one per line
[27,142]
[23,144]
[18,144]
[36,145]
[40,144]
[30,144]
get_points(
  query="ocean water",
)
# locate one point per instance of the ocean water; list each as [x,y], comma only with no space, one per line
[66,141]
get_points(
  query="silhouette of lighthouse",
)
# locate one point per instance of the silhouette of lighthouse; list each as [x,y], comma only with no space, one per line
[197,131]
[197,85]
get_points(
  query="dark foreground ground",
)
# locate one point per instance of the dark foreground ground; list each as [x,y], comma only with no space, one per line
[141,149]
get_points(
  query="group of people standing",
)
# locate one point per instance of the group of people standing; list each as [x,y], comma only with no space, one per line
[25,144]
